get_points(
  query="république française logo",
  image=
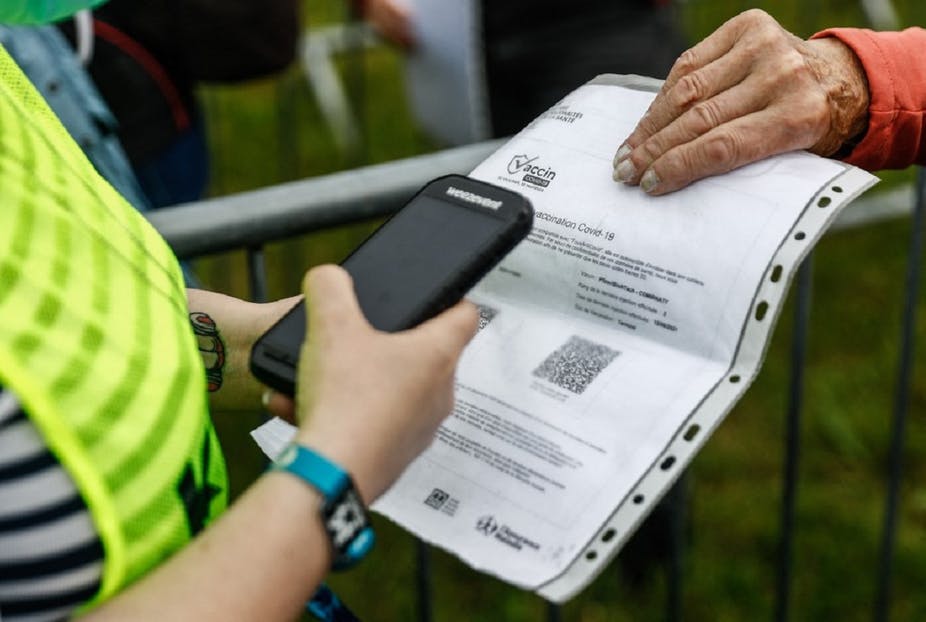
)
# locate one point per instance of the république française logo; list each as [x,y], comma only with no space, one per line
[487,525]
[490,527]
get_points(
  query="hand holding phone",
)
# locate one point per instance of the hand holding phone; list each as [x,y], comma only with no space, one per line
[421,261]
[372,418]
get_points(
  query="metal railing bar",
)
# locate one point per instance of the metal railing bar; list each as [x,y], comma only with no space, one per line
[901,406]
[290,209]
[678,502]
[257,274]
[876,207]
[792,440]
[880,14]
[423,581]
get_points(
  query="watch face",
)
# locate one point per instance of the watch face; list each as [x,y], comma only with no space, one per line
[346,519]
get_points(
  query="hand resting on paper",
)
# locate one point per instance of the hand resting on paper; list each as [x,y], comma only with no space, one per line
[748,91]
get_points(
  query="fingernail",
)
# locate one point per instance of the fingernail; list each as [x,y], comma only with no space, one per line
[265,397]
[650,180]
[625,171]
[622,153]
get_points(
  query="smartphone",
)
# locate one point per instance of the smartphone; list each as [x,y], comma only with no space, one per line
[419,262]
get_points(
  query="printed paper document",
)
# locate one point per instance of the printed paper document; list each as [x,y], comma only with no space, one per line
[612,341]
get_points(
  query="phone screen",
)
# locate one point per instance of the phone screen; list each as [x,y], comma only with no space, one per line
[420,261]
[413,256]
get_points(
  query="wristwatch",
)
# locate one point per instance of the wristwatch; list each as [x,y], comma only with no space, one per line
[349,531]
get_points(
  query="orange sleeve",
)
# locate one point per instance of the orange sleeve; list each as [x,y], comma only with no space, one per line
[895,64]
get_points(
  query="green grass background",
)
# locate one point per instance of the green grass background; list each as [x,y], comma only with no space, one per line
[271,131]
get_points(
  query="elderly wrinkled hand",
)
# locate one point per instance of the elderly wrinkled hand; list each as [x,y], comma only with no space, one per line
[748,91]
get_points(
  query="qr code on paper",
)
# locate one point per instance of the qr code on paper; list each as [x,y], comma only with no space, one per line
[575,364]
[486,315]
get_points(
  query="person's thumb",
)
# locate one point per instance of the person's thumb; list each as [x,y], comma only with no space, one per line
[331,304]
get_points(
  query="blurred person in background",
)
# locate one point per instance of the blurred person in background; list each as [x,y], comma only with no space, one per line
[148,57]
[752,90]
[538,51]
[130,101]
[55,69]
[122,81]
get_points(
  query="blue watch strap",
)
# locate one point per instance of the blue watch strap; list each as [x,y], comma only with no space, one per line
[322,474]
[346,523]
[325,606]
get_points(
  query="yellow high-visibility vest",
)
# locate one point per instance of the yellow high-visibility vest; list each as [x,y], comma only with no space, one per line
[95,341]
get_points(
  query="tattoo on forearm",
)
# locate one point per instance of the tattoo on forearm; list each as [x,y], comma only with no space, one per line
[211,348]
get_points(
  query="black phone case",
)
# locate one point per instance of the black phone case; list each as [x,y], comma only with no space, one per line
[275,365]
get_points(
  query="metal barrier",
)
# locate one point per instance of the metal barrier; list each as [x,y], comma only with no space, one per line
[251,219]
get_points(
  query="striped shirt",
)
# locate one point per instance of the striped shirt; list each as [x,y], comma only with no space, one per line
[51,558]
